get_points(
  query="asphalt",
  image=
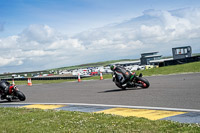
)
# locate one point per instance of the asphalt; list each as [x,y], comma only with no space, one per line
[178,94]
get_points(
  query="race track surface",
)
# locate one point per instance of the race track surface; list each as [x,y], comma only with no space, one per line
[171,91]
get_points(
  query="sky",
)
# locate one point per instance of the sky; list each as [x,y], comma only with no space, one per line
[44,34]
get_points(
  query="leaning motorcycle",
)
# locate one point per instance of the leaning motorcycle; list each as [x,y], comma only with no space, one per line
[13,94]
[135,81]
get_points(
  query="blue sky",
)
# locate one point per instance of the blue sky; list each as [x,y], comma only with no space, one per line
[91,30]
[73,16]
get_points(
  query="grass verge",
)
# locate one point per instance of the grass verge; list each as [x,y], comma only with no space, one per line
[176,69]
[42,81]
[35,120]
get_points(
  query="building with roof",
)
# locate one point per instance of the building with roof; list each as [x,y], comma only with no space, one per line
[127,63]
[181,55]
[146,58]
[182,52]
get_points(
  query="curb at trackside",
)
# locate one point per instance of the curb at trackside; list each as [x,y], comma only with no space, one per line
[152,113]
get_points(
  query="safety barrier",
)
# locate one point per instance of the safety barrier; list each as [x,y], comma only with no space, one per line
[42,78]
[180,61]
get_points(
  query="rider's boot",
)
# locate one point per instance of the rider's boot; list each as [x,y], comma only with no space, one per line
[9,97]
[130,83]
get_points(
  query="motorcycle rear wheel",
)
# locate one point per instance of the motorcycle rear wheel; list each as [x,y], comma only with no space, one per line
[120,86]
[144,82]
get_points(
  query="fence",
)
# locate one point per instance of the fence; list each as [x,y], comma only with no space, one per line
[42,78]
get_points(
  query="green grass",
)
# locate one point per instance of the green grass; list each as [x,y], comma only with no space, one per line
[20,120]
[176,69]
[106,76]
[42,81]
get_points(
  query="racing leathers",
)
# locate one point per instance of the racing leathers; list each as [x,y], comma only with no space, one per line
[4,86]
[122,74]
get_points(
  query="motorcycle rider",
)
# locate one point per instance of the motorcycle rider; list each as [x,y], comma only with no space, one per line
[124,75]
[4,86]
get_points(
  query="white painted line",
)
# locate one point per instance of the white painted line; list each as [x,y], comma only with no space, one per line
[116,106]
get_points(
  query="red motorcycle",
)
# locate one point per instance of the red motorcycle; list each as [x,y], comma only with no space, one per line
[13,93]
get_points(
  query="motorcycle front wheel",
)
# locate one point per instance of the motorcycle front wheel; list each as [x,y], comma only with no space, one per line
[120,86]
[20,95]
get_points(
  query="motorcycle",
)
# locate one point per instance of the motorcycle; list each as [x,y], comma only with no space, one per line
[13,93]
[135,81]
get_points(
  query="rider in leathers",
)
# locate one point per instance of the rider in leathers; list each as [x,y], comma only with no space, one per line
[4,87]
[124,75]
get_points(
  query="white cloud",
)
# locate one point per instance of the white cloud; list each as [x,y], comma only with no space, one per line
[9,42]
[10,61]
[67,44]
[36,53]
[41,47]
[151,31]
[39,33]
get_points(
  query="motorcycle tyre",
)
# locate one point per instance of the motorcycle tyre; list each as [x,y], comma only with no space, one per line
[20,95]
[118,85]
[144,81]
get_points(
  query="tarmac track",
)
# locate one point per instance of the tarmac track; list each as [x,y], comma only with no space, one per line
[171,97]
[171,91]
